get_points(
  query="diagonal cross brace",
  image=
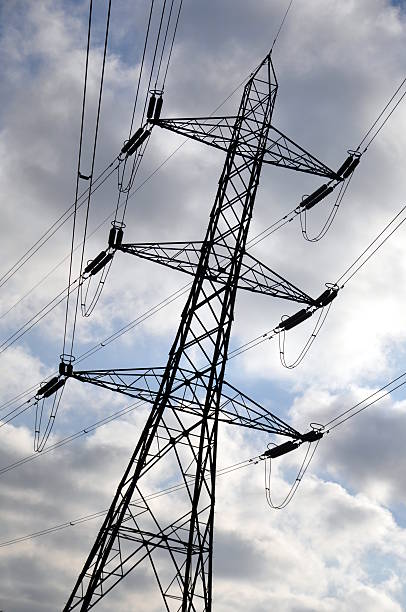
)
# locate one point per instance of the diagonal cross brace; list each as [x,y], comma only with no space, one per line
[236,408]
[134,544]
[184,256]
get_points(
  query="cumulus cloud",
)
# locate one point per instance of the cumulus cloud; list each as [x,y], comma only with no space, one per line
[341,544]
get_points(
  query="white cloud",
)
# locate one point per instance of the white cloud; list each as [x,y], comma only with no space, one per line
[341,544]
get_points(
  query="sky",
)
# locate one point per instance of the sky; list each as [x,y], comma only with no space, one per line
[341,542]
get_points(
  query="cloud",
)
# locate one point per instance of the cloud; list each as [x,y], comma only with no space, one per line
[341,544]
[366,451]
[316,553]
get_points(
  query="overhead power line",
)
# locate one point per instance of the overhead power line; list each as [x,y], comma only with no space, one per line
[186,408]
[338,420]
[78,174]
[256,341]
[281,25]
[55,226]
[341,281]
[96,133]
[354,410]
[368,401]
[52,230]
[381,114]
[90,517]
[293,489]
[368,253]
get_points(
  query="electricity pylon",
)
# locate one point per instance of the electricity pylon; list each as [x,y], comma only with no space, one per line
[189,397]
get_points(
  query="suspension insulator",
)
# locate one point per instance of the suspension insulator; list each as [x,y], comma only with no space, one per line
[119,239]
[112,237]
[319,197]
[151,106]
[326,297]
[65,369]
[101,264]
[313,195]
[345,165]
[158,108]
[47,385]
[94,262]
[55,387]
[138,142]
[281,449]
[312,435]
[133,139]
[351,167]
[295,319]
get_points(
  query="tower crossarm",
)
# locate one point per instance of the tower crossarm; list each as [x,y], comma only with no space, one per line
[280,149]
[255,276]
[183,256]
[249,413]
[258,277]
[214,131]
[284,152]
[236,408]
[139,383]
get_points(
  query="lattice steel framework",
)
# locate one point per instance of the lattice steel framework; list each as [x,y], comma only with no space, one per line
[189,397]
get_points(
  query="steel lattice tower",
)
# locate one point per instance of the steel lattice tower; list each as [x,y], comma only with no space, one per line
[190,396]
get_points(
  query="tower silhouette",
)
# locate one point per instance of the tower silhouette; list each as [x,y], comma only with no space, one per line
[190,396]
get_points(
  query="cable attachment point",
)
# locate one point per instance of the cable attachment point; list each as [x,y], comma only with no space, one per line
[348,167]
[314,198]
[327,296]
[66,364]
[56,382]
[43,407]
[323,300]
[281,449]
[155,105]
[50,387]
[98,263]
[316,433]
[135,141]
[151,107]
[116,234]
[131,141]
[295,319]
